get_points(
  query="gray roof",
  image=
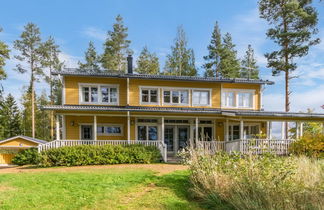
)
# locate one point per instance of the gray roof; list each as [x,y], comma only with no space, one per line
[233,113]
[26,138]
[115,74]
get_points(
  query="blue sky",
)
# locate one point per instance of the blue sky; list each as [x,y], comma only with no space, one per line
[153,23]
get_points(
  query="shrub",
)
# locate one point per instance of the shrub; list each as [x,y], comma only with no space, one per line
[99,155]
[26,157]
[226,181]
[311,145]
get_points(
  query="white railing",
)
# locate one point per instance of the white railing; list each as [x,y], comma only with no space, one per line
[70,143]
[247,146]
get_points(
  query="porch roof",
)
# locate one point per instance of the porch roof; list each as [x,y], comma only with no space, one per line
[116,74]
[229,113]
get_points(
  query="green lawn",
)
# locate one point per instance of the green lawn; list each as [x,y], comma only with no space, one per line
[96,189]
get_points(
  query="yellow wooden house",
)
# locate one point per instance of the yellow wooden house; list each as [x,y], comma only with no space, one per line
[105,106]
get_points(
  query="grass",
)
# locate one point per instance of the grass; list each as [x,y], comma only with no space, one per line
[96,189]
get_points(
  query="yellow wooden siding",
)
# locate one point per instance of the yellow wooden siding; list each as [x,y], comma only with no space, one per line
[6,158]
[135,85]
[73,130]
[72,89]
[18,142]
[71,85]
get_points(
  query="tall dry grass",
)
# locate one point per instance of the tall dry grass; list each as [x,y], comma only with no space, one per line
[256,182]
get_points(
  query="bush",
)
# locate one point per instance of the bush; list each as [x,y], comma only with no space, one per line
[311,145]
[26,157]
[99,155]
[226,181]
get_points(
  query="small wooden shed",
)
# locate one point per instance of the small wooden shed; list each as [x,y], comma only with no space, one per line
[11,146]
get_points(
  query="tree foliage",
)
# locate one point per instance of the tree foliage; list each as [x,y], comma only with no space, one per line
[10,123]
[4,54]
[33,52]
[213,59]
[116,47]
[92,60]
[147,62]
[293,23]
[249,67]
[181,60]
[222,57]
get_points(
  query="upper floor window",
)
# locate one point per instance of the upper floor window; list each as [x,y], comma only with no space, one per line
[176,96]
[101,94]
[201,97]
[237,98]
[150,95]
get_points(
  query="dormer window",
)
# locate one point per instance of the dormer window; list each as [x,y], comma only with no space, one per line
[98,94]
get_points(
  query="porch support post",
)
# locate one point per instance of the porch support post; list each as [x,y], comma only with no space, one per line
[283,130]
[63,128]
[241,130]
[269,129]
[196,137]
[95,127]
[301,132]
[162,129]
[226,130]
[297,130]
[128,126]
[58,135]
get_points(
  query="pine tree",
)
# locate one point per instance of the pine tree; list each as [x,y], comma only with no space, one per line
[26,118]
[230,65]
[43,124]
[249,67]
[147,63]
[33,52]
[116,47]
[53,62]
[213,59]
[10,117]
[181,61]
[92,60]
[4,54]
[293,24]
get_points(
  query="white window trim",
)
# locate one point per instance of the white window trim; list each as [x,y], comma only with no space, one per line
[111,125]
[236,98]
[147,124]
[202,89]
[237,124]
[149,88]
[81,85]
[176,89]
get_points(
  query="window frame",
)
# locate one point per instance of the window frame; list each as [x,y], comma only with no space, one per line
[147,125]
[98,86]
[149,95]
[236,93]
[105,125]
[201,90]
[179,90]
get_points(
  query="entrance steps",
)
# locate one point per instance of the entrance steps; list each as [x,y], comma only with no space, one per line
[173,159]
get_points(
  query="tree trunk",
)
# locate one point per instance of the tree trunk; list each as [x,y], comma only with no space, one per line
[52,102]
[287,103]
[33,102]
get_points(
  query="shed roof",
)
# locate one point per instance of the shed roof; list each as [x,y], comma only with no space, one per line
[115,74]
[27,138]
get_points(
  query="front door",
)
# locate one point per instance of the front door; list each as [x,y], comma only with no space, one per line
[183,137]
[86,132]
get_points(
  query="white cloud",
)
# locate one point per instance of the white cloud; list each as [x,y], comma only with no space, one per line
[70,61]
[300,101]
[95,33]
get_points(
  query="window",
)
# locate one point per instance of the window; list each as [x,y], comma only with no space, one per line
[176,96]
[150,96]
[177,121]
[147,132]
[90,94]
[205,133]
[147,120]
[201,98]
[110,130]
[101,94]
[237,98]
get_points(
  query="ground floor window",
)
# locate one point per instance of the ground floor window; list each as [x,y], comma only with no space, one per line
[205,133]
[110,130]
[249,131]
[147,132]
